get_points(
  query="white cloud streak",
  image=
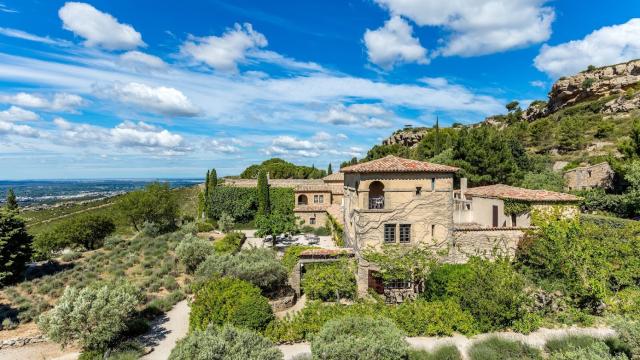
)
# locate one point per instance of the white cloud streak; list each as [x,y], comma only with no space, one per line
[162,100]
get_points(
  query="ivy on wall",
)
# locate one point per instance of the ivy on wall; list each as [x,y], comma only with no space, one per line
[516,207]
[242,203]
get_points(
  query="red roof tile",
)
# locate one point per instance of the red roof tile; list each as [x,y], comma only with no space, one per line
[312,188]
[397,164]
[337,176]
[501,191]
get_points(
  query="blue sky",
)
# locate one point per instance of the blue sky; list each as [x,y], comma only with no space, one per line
[112,89]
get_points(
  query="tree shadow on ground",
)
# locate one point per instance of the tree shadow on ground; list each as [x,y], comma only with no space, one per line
[40,269]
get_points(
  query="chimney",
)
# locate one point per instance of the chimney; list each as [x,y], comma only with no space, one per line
[463,187]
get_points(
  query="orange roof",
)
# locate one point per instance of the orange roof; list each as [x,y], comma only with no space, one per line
[392,163]
[501,191]
[337,176]
[312,188]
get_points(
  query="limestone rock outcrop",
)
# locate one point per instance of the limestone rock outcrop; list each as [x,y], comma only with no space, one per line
[408,138]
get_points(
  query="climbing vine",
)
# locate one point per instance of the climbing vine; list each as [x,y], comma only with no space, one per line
[516,207]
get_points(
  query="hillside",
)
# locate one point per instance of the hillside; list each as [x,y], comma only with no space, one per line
[586,118]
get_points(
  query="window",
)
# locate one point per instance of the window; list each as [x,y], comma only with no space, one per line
[318,199]
[418,190]
[494,216]
[433,184]
[514,217]
[389,233]
[397,284]
[405,233]
[312,221]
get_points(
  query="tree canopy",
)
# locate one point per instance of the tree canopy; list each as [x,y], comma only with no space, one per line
[155,204]
[15,246]
[281,169]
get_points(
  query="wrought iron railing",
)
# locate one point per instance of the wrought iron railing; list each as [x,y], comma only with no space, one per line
[376,202]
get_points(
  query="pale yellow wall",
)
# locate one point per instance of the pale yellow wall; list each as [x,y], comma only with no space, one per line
[321,218]
[326,197]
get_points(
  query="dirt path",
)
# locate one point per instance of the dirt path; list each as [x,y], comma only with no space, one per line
[40,351]
[294,309]
[536,339]
[166,331]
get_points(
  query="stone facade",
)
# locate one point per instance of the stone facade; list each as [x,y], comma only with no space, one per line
[486,243]
[589,177]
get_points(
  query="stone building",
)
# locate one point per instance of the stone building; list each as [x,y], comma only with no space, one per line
[396,201]
[589,177]
[315,201]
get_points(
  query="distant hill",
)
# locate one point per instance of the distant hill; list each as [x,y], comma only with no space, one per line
[281,169]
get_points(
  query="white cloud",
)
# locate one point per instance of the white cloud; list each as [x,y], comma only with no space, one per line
[5,9]
[479,27]
[163,100]
[127,134]
[226,147]
[291,143]
[608,45]
[363,115]
[19,34]
[321,136]
[99,29]
[59,101]
[8,128]
[538,83]
[226,51]
[138,59]
[394,44]
[15,113]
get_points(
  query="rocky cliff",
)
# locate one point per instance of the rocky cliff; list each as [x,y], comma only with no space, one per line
[621,81]
[406,137]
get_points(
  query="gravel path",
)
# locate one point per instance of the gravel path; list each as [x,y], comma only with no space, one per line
[166,331]
[39,351]
[536,339]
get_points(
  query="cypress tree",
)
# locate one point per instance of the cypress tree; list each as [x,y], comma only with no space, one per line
[263,194]
[15,246]
[12,202]
[329,170]
[437,139]
[213,180]
[206,185]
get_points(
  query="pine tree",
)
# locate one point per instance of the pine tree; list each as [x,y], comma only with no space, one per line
[263,194]
[15,246]
[12,202]
[329,170]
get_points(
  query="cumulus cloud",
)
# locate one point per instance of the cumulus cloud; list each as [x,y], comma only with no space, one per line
[364,115]
[394,44]
[608,45]
[8,128]
[162,100]
[226,51]
[128,134]
[15,113]
[139,59]
[59,101]
[479,27]
[99,29]
[228,146]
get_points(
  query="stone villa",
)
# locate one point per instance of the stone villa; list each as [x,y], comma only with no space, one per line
[413,203]
[589,177]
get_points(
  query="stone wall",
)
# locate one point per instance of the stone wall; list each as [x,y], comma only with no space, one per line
[22,341]
[320,216]
[486,243]
[589,177]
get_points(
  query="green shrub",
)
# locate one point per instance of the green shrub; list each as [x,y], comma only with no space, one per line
[499,349]
[70,256]
[625,302]
[629,333]
[494,294]
[529,322]
[258,266]
[446,281]
[205,226]
[329,282]
[85,230]
[229,300]
[230,243]
[359,338]
[155,204]
[595,350]
[437,318]
[192,251]
[94,316]
[226,343]
[569,342]
[446,352]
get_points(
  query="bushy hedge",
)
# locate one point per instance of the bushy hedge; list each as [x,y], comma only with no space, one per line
[86,231]
[242,203]
[329,282]
[192,251]
[596,350]
[229,301]
[258,266]
[440,318]
[226,343]
[499,349]
[492,291]
[94,316]
[230,243]
[354,337]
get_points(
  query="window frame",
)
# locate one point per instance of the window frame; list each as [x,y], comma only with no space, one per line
[402,227]
[387,233]
[318,199]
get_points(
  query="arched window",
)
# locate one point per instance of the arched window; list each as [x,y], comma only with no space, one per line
[376,195]
[302,200]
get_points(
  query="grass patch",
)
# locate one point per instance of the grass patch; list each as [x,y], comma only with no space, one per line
[569,342]
[499,349]
[447,352]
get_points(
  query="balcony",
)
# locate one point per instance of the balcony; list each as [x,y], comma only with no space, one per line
[376,203]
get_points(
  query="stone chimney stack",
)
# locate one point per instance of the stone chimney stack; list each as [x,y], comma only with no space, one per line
[463,187]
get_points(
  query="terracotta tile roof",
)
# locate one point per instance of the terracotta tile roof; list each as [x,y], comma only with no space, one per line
[337,189]
[397,164]
[274,183]
[336,176]
[311,208]
[501,191]
[312,188]
[325,252]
